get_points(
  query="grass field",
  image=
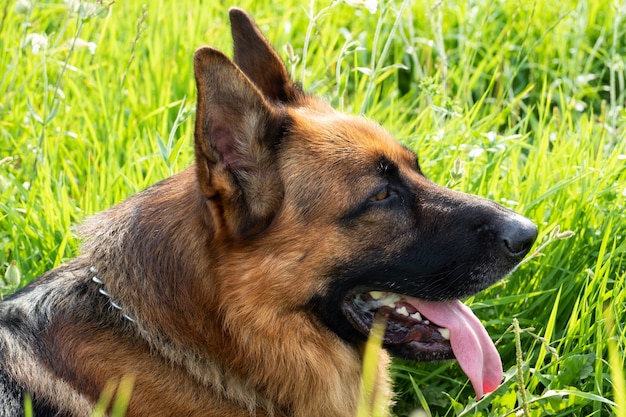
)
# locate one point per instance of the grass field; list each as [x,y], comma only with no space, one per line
[518,101]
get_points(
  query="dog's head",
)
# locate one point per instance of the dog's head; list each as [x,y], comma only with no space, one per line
[355,228]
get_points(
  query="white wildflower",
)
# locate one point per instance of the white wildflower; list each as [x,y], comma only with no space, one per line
[475,152]
[491,136]
[72,5]
[23,7]
[37,41]
[83,44]
[85,9]
[88,10]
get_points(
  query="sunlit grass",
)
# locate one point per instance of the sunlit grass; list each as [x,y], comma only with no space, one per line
[521,102]
[115,398]
[372,402]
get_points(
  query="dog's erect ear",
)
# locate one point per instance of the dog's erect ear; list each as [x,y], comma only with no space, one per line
[236,134]
[259,61]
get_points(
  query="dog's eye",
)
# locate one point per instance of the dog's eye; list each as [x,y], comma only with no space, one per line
[381,195]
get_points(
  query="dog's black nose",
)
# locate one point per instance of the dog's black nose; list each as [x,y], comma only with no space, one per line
[518,235]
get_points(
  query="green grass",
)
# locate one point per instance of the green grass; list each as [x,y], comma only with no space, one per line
[521,102]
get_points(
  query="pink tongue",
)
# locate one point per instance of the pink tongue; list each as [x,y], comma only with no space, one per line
[470,342]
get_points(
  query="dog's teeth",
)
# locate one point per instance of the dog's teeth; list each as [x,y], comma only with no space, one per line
[376,295]
[445,333]
[416,316]
[384,298]
[402,311]
[426,322]
[391,300]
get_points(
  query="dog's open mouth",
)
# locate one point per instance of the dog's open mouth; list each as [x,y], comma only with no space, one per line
[428,330]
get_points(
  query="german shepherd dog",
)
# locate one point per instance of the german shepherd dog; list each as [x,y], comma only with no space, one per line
[247,284]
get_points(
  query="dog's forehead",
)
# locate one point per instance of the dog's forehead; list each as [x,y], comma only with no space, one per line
[328,154]
[339,138]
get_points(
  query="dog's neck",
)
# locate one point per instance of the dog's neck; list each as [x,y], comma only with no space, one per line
[102,291]
[203,370]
